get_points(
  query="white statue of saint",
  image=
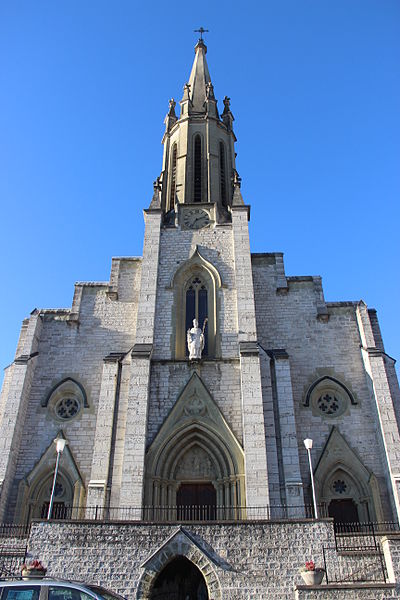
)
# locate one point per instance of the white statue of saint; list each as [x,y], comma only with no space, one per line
[195,341]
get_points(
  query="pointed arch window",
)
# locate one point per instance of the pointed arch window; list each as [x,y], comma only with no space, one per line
[196,284]
[196,306]
[173,177]
[222,174]
[197,191]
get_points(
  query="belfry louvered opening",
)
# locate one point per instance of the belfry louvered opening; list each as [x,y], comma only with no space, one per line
[197,187]
[222,173]
[173,177]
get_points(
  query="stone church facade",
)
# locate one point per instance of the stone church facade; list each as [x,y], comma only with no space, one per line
[155,437]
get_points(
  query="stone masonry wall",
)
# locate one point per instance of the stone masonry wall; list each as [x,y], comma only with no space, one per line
[317,347]
[176,247]
[221,376]
[251,560]
[77,349]
[348,592]
[168,380]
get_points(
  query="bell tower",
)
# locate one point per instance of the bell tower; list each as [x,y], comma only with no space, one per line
[199,155]
[196,266]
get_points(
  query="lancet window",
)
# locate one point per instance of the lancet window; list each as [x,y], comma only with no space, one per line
[197,188]
[173,177]
[196,283]
[196,306]
[222,174]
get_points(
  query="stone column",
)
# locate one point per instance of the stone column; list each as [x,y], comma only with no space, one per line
[374,363]
[132,484]
[17,387]
[97,489]
[286,430]
[256,471]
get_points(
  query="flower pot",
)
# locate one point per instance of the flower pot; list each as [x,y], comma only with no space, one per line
[313,577]
[33,574]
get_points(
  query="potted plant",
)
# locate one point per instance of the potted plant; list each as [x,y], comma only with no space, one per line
[311,574]
[33,570]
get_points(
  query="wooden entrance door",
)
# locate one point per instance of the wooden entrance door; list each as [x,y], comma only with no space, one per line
[196,502]
[343,511]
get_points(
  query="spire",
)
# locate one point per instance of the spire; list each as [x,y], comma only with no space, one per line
[210,102]
[155,203]
[227,116]
[171,117]
[237,194]
[199,151]
[199,78]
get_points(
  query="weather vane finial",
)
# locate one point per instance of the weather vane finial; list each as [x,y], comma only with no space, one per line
[201,30]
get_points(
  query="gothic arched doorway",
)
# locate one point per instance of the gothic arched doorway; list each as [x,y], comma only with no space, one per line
[63,498]
[179,580]
[195,460]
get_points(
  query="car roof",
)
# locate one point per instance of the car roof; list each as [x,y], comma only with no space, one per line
[41,581]
[85,587]
[46,581]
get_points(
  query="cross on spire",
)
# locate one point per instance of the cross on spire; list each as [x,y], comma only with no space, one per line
[201,30]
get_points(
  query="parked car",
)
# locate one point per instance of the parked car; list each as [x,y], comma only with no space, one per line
[53,589]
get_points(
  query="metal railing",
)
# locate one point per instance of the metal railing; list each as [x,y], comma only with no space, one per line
[183,513]
[363,566]
[12,530]
[356,537]
[13,545]
[11,562]
[366,528]
[357,554]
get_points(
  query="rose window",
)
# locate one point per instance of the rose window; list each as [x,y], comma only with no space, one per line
[328,404]
[58,490]
[339,486]
[66,408]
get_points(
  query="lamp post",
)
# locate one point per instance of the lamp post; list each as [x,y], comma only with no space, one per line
[60,445]
[308,444]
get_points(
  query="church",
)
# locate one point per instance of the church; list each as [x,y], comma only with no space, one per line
[184,388]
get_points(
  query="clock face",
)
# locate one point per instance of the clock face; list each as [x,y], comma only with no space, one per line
[195,218]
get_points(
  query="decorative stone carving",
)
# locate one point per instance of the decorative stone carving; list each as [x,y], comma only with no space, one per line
[195,464]
[195,406]
[294,490]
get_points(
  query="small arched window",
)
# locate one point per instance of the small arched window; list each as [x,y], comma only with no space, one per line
[196,307]
[222,174]
[197,192]
[173,177]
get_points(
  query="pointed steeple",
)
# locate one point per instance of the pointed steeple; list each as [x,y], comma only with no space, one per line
[199,149]
[199,78]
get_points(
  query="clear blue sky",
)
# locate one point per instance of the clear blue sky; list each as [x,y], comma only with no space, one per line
[315,91]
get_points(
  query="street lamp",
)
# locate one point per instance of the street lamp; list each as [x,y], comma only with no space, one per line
[60,445]
[308,444]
